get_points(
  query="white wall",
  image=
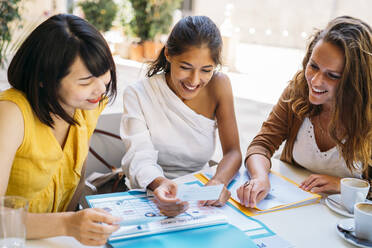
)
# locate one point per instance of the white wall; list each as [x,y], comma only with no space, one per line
[295,16]
[33,12]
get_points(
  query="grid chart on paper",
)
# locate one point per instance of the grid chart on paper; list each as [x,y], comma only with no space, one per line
[134,208]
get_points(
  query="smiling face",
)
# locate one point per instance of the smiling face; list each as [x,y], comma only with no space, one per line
[80,89]
[190,71]
[323,73]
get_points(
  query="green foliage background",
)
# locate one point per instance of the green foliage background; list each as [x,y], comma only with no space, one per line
[152,17]
[9,11]
[100,13]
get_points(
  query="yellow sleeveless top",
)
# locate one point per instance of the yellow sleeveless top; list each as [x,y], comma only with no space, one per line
[42,172]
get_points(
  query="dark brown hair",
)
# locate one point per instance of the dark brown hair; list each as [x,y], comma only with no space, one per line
[45,57]
[191,31]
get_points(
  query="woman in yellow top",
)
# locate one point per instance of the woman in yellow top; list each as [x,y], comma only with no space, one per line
[62,77]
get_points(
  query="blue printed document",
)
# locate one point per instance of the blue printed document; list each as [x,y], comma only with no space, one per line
[198,227]
[141,217]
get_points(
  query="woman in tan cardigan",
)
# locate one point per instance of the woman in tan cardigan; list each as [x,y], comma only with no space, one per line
[324,115]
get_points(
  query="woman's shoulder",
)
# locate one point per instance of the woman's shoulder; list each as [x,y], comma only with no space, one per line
[145,86]
[138,86]
[220,79]
[219,85]
[11,121]
[288,90]
[9,108]
[13,95]
[13,101]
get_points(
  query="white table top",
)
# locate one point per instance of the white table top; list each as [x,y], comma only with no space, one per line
[306,226]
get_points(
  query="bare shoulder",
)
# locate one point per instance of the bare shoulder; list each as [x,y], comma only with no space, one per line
[220,84]
[9,109]
[220,79]
[11,120]
[11,137]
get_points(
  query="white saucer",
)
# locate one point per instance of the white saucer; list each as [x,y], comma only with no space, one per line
[335,207]
[349,222]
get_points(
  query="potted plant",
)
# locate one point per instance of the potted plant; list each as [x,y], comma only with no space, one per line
[123,18]
[100,13]
[9,11]
[151,19]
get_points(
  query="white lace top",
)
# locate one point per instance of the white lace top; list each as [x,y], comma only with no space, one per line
[307,154]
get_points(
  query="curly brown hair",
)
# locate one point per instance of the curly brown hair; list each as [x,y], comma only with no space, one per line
[351,111]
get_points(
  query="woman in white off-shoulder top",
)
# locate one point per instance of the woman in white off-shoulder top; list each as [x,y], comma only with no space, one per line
[170,118]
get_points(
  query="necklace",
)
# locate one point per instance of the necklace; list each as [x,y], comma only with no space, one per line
[320,126]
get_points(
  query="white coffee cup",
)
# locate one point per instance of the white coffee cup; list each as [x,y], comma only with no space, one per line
[363,220]
[353,190]
[12,221]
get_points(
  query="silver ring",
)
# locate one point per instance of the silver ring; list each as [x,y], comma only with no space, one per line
[247,183]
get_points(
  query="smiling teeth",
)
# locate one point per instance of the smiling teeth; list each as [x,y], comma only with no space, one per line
[318,91]
[190,88]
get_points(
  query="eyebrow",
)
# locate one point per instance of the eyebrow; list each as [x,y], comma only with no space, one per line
[206,66]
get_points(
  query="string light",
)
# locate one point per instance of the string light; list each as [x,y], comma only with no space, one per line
[285,33]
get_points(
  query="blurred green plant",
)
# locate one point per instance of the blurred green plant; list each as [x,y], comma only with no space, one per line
[70,6]
[124,17]
[100,13]
[9,12]
[152,17]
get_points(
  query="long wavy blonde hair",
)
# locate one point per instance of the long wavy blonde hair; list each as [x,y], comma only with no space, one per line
[352,104]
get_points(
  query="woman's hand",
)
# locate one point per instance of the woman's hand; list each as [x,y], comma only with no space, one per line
[165,199]
[253,191]
[91,226]
[318,183]
[224,196]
